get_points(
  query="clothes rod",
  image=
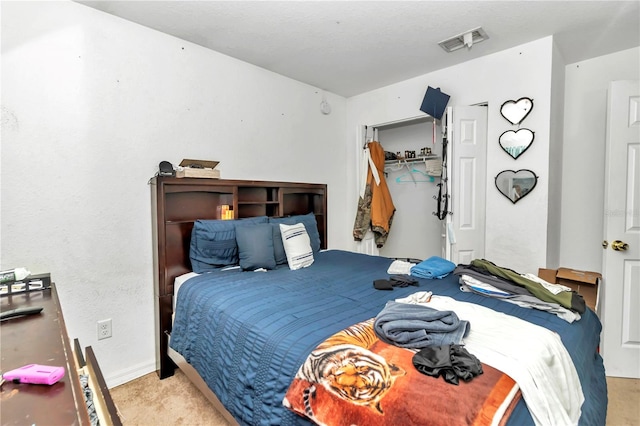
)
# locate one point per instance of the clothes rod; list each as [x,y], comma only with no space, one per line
[403,122]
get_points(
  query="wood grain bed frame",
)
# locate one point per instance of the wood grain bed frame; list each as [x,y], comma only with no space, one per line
[177,202]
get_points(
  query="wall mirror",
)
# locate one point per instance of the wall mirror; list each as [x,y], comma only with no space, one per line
[516,111]
[516,143]
[515,185]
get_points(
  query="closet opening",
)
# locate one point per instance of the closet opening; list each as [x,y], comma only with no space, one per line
[415,183]
[412,171]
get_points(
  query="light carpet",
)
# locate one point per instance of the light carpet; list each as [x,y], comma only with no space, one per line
[172,401]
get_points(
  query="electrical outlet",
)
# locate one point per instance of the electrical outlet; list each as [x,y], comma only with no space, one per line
[104,329]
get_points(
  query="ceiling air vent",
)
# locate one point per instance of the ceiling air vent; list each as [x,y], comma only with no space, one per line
[467,39]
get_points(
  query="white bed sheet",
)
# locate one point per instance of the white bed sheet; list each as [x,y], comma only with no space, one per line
[532,355]
[176,287]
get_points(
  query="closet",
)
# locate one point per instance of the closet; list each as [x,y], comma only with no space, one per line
[413,183]
[416,231]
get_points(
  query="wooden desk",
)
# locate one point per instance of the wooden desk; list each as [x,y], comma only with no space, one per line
[39,339]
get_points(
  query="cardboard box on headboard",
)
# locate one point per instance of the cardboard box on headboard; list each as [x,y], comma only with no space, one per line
[198,169]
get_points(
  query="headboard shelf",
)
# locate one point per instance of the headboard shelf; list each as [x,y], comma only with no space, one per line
[177,203]
[258,202]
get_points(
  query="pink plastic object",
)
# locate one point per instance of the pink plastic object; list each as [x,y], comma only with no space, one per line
[35,374]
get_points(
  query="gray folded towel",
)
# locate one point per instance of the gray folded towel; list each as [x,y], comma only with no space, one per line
[417,326]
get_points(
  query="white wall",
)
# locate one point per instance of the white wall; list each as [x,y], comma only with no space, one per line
[583,176]
[90,105]
[516,235]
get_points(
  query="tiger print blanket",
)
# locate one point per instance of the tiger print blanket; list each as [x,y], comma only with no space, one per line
[353,378]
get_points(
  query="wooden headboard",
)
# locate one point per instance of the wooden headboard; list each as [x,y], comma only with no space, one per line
[176,203]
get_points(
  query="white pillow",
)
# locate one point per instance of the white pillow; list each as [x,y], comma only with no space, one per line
[297,245]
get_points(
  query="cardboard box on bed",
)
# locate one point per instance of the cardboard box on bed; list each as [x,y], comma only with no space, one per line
[585,283]
[549,275]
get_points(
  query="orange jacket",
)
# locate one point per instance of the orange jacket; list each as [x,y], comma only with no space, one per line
[375,209]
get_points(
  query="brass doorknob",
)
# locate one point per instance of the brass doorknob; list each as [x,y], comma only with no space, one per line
[618,245]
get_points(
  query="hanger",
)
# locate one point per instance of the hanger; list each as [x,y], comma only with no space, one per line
[415,175]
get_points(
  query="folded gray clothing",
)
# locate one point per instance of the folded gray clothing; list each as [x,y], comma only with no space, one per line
[417,326]
[498,282]
[528,301]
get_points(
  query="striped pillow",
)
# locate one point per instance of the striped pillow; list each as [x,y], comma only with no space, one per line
[297,245]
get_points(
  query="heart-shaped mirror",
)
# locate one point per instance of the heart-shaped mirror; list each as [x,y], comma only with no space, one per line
[516,143]
[516,111]
[516,185]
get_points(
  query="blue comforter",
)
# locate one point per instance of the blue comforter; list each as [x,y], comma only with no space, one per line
[247,333]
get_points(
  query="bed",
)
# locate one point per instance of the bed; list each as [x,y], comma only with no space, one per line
[242,336]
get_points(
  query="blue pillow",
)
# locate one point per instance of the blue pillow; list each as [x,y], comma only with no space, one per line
[278,248]
[255,246]
[310,224]
[213,243]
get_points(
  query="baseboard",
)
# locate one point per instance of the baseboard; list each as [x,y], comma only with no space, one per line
[130,373]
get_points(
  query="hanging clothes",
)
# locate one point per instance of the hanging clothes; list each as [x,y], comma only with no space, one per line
[367,245]
[375,206]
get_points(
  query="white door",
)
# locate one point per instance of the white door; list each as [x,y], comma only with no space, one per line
[621,289]
[466,170]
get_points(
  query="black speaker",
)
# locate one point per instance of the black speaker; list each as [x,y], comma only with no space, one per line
[166,169]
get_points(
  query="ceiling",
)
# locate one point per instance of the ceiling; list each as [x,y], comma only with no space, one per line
[351,47]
